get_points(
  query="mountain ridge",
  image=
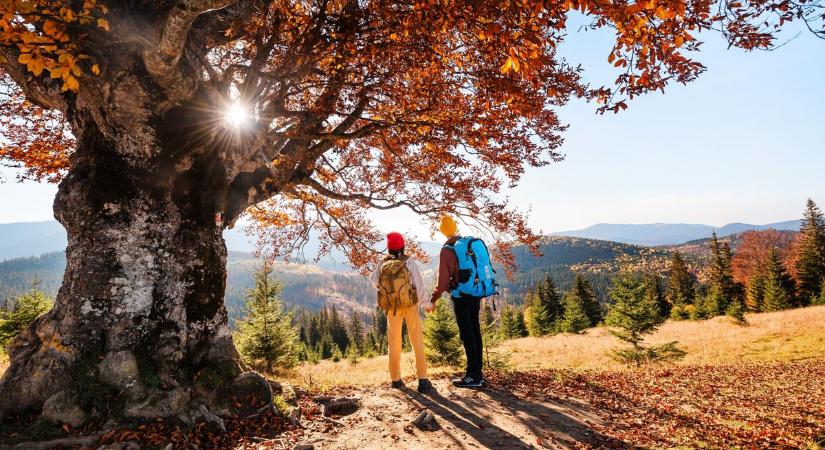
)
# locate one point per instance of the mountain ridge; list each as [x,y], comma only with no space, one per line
[24,239]
[662,233]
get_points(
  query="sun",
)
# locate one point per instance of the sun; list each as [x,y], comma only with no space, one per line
[236,115]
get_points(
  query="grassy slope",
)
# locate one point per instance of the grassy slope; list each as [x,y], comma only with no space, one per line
[781,336]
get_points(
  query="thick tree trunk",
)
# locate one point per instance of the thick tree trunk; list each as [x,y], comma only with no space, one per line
[140,316]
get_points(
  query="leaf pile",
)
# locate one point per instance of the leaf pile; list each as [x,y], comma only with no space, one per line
[776,405]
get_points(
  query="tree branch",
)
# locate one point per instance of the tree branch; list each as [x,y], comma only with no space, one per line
[47,97]
[368,199]
[161,61]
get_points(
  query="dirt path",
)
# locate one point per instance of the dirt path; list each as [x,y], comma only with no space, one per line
[464,418]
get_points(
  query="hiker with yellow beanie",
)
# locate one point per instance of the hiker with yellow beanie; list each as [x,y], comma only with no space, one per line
[466,308]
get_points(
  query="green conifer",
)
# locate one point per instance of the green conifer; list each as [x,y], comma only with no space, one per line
[491,337]
[810,263]
[756,291]
[21,311]
[633,315]
[545,309]
[656,294]
[574,319]
[356,333]
[723,291]
[266,337]
[441,339]
[511,323]
[681,287]
[779,286]
[821,299]
[584,292]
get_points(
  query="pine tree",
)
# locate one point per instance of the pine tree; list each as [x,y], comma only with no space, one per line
[574,319]
[584,292]
[821,299]
[521,325]
[810,262]
[491,338]
[486,317]
[441,337]
[545,309]
[511,323]
[779,286]
[633,315]
[21,311]
[338,329]
[724,293]
[656,294]
[681,287]
[356,333]
[756,292]
[266,337]
[378,331]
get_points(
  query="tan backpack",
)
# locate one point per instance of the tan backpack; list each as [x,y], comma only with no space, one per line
[395,287]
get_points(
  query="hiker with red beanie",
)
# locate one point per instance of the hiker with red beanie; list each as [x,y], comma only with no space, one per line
[400,292]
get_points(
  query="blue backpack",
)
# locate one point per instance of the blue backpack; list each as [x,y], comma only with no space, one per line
[476,276]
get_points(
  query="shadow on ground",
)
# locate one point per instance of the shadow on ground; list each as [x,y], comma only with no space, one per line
[485,418]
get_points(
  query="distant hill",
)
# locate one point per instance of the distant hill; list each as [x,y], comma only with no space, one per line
[24,239]
[667,233]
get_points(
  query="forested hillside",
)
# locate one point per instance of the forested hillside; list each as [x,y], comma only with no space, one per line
[311,287]
[305,286]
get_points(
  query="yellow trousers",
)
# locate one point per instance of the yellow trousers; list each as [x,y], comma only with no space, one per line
[394,322]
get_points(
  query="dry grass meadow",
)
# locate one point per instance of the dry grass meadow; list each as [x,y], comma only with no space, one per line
[792,335]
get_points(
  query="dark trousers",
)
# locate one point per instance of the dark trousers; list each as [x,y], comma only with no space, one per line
[466,314]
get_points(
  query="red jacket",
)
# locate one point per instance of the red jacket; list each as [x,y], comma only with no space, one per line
[447,270]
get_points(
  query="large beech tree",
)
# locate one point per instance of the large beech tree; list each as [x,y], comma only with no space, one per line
[338,106]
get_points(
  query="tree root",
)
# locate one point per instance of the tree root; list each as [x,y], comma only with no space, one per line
[69,442]
[209,418]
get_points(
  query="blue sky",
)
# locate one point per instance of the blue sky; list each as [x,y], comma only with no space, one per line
[743,143]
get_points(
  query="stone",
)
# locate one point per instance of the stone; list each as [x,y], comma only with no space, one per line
[158,404]
[62,407]
[120,370]
[288,394]
[295,416]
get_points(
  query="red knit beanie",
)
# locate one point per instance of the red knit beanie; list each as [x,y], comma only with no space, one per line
[395,241]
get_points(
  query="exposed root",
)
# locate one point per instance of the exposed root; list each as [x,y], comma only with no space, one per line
[210,418]
[69,442]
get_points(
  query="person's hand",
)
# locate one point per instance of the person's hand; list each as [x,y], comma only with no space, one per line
[430,308]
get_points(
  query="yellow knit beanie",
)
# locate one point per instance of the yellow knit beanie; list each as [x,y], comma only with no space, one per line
[448,226]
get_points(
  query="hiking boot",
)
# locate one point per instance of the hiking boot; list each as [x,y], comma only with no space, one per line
[397,384]
[469,382]
[424,386]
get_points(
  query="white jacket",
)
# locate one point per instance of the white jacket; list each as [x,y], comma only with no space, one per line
[415,276]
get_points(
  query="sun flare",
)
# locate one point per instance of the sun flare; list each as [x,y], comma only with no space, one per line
[236,115]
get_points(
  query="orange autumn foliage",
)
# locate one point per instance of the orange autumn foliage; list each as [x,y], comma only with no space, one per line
[752,254]
[435,106]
